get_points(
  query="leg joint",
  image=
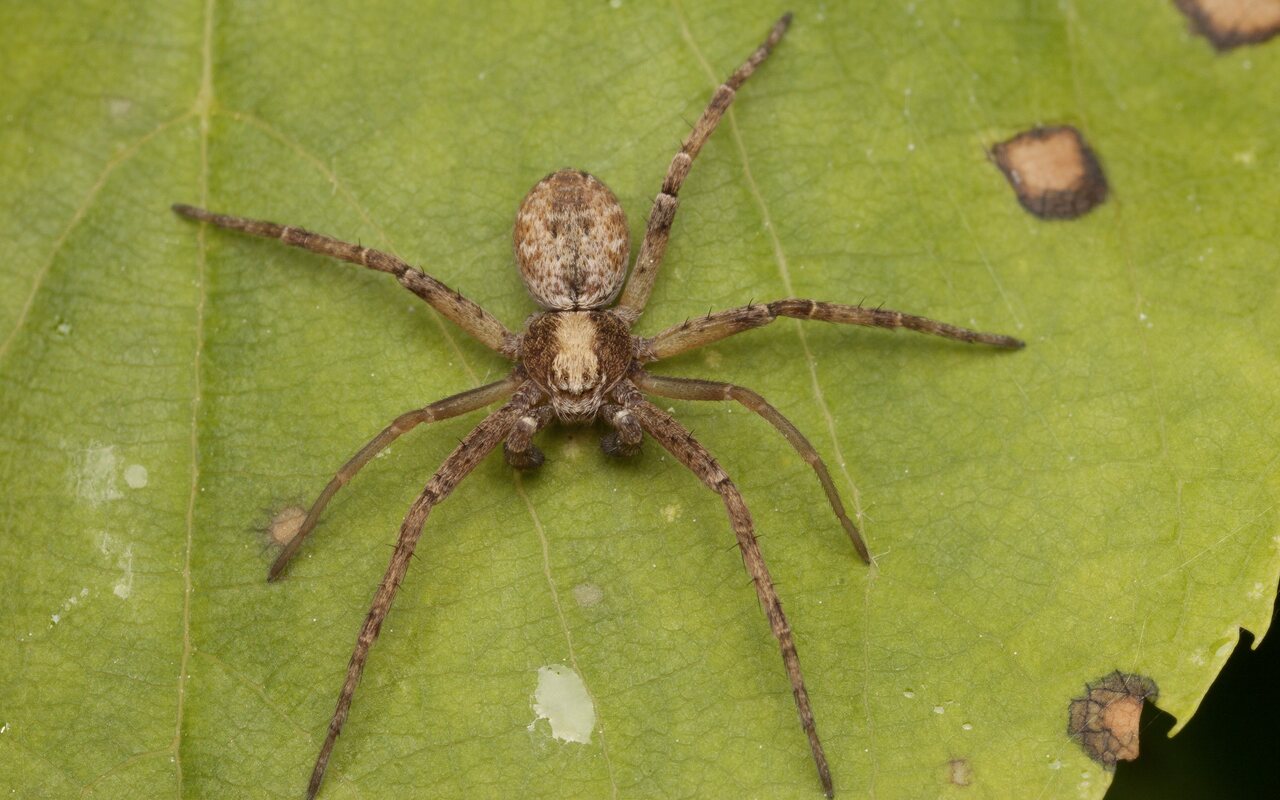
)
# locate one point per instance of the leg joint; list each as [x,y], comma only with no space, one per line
[676,173]
[664,211]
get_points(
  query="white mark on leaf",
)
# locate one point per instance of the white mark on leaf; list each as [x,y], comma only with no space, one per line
[588,594]
[562,700]
[68,604]
[123,561]
[95,477]
[136,476]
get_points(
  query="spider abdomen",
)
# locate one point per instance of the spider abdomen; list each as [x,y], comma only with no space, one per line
[571,242]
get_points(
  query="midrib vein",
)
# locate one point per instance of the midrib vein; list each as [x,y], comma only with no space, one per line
[203,110]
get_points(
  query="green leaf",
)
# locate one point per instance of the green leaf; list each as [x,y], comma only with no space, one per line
[1104,499]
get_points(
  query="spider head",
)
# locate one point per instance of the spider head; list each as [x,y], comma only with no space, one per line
[572,242]
[576,357]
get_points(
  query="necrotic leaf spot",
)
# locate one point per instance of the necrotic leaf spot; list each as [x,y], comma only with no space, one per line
[1053,171]
[1105,720]
[1231,23]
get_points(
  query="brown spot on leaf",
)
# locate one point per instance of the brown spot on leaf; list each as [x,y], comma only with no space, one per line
[959,772]
[285,524]
[1053,172]
[1231,23]
[1105,720]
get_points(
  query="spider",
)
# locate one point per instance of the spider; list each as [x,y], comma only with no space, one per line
[576,362]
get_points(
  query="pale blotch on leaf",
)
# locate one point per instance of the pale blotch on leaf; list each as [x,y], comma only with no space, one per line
[572,449]
[119,106]
[1231,23]
[959,772]
[123,561]
[136,476]
[68,604]
[1053,172]
[1105,720]
[562,700]
[285,524]
[95,478]
[588,594]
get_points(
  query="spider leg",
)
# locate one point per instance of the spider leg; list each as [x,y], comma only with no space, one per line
[457,309]
[722,324]
[636,293]
[624,440]
[691,389]
[519,449]
[473,448]
[442,409]
[680,443]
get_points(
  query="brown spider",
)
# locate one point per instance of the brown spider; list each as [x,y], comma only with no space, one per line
[577,361]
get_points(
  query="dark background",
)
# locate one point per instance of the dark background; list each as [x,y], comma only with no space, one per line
[1231,746]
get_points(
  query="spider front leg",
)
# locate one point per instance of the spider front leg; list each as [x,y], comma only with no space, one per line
[519,449]
[703,331]
[645,271]
[691,389]
[473,448]
[624,440]
[677,440]
[443,409]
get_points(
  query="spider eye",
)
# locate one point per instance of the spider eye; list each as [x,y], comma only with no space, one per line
[571,242]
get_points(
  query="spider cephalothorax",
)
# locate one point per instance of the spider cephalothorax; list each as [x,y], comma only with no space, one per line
[576,358]
[578,362]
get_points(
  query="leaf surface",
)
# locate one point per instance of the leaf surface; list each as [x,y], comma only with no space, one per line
[1104,499]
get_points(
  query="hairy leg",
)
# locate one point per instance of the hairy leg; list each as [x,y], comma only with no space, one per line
[680,443]
[457,309]
[703,331]
[519,449]
[624,440]
[473,448]
[442,409]
[645,271]
[691,389]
